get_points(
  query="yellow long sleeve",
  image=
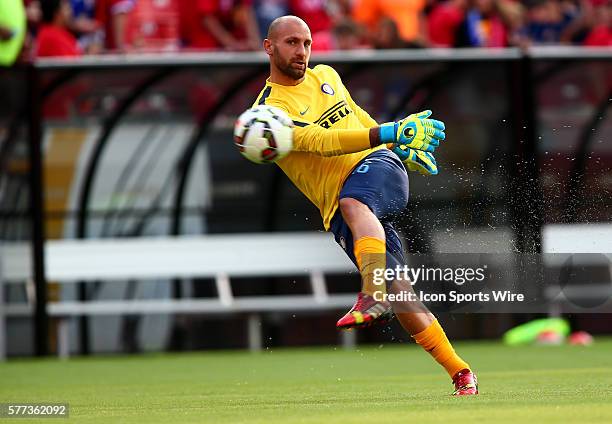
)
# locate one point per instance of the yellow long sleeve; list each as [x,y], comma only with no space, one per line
[325,142]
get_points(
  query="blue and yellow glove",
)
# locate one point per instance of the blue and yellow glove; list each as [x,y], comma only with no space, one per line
[417,160]
[416,131]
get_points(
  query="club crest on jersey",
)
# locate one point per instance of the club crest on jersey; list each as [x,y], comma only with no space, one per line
[327,89]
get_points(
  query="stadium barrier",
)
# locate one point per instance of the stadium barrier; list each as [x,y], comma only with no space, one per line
[220,257]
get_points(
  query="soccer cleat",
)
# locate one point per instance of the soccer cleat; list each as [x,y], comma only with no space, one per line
[465,383]
[365,312]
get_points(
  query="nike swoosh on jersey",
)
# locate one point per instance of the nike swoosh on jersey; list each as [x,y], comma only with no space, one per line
[305,110]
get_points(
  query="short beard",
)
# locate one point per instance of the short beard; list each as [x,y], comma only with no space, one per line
[287,70]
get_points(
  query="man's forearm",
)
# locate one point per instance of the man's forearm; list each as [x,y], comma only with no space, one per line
[326,142]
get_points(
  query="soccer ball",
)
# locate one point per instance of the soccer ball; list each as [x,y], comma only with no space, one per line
[264,134]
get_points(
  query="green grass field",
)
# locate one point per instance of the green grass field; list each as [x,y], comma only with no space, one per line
[390,384]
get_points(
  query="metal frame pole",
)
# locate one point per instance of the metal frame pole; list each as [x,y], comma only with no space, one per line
[41,318]
[526,195]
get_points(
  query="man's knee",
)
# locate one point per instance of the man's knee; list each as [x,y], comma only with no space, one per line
[349,206]
[360,219]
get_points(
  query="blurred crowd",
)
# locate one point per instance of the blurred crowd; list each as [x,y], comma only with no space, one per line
[77,27]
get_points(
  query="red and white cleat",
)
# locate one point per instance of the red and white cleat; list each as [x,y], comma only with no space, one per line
[465,383]
[365,312]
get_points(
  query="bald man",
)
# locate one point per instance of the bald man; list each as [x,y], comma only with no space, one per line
[353,170]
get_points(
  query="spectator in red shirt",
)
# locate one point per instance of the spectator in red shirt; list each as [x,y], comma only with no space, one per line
[316,13]
[219,24]
[313,12]
[443,22]
[113,16]
[600,33]
[153,25]
[53,37]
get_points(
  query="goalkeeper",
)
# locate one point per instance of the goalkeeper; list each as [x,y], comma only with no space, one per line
[351,169]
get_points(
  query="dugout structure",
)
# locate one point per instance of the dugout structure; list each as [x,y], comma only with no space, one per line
[137,146]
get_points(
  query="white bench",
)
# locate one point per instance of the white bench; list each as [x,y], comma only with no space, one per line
[222,257]
[219,257]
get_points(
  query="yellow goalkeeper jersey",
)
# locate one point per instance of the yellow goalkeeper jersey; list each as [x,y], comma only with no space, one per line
[318,104]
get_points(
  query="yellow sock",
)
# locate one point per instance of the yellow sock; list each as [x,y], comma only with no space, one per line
[434,340]
[370,254]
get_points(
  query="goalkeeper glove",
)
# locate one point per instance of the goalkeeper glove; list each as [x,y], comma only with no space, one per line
[416,131]
[417,160]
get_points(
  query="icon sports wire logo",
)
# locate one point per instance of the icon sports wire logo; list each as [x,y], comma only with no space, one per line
[459,276]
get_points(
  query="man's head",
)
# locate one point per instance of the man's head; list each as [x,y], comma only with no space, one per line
[347,35]
[288,45]
[57,12]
